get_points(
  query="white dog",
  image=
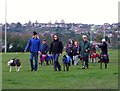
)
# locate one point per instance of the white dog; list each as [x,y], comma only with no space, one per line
[14,63]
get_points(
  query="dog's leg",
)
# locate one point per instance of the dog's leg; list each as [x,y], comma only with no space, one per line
[10,69]
[64,67]
[67,67]
[18,68]
[105,65]
[101,65]
[95,60]
[52,61]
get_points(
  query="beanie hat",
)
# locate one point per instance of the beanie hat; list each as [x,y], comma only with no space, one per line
[34,33]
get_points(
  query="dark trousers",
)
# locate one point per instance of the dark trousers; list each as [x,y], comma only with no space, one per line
[56,62]
[35,56]
[71,56]
[85,62]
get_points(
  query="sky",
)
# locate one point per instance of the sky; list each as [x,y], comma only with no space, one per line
[72,11]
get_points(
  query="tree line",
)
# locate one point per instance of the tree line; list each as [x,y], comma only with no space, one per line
[16,41]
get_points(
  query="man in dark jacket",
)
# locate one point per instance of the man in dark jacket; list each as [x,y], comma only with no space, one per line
[103,47]
[34,45]
[84,48]
[56,48]
[104,50]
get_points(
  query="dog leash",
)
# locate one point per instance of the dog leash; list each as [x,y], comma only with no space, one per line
[18,55]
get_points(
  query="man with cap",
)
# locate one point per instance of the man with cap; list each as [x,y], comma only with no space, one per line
[34,45]
[103,47]
[84,49]
[104,50]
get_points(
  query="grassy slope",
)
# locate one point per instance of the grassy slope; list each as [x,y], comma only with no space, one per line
[46,78]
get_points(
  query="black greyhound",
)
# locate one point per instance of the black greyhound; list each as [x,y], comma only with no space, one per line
[103,59]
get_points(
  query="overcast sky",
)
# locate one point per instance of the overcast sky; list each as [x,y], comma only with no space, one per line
[77,11]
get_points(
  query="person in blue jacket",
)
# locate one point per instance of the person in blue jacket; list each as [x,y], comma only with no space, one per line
[34,45]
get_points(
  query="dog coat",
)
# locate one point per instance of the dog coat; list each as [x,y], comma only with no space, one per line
[49,57]
[42,58]
[94,55]
[67,59]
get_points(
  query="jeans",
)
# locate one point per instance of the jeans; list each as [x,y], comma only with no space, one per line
[35,56]
[85,62]
[75,58]
[56,62]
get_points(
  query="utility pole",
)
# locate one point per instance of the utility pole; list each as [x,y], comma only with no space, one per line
[5,26]
[104,31]
[91,33]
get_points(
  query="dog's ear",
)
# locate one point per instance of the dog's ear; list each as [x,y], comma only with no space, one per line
[64,56]
[13,58]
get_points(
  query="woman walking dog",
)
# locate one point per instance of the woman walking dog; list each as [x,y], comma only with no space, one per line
[56,48]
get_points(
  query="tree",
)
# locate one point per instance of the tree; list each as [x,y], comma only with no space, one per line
[99,37]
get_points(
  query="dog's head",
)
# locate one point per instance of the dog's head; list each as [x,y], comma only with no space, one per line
[9,62]
[64,58]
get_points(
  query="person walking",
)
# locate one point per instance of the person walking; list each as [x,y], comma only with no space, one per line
[34,45]
[104,49]
[44,51]
[56,48]
[84,48]
[69,49]
[75,52]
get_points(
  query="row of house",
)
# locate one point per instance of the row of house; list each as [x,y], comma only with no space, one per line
[77,28]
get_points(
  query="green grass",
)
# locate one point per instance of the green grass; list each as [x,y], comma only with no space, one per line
[46,78]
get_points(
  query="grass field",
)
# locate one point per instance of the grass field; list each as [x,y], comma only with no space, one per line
[46,78]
